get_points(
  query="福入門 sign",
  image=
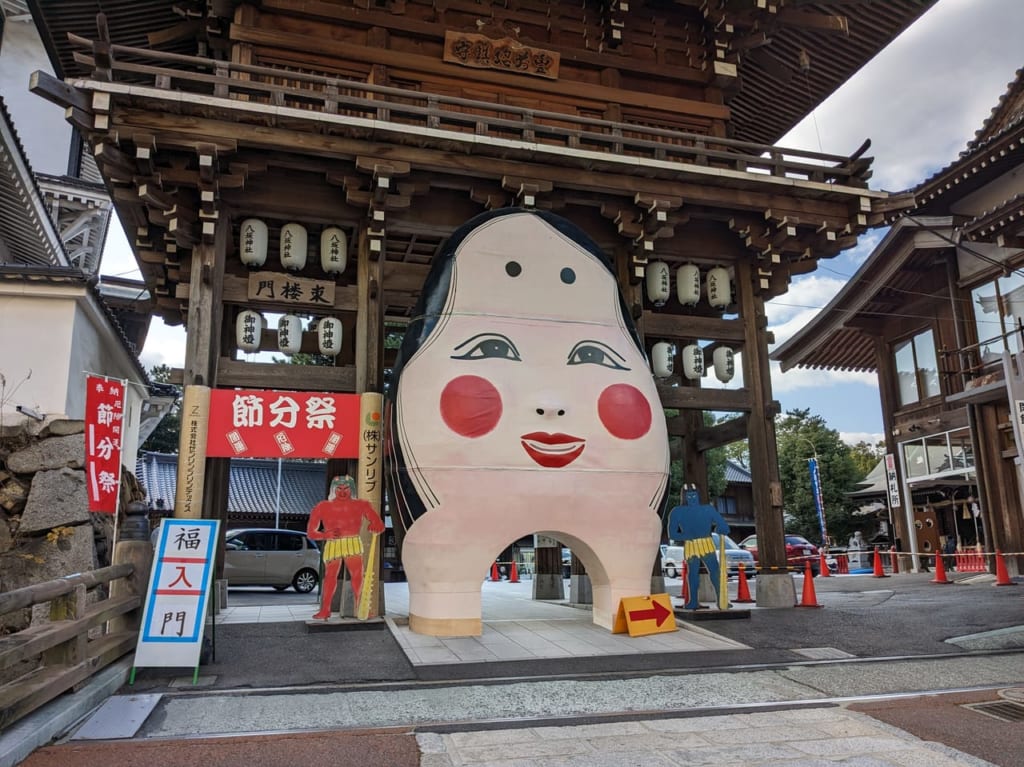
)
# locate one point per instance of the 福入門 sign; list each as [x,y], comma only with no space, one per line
[174,615]
[282,424]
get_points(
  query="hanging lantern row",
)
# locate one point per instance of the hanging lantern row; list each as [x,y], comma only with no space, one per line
[250,325]
[293,246]
[688,287]
[663,361]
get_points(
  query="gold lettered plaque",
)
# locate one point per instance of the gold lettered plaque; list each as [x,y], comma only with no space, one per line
[506,54]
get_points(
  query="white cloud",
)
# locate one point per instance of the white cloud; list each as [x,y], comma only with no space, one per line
[853,437]
[165,345]
[794,309]
[923,97]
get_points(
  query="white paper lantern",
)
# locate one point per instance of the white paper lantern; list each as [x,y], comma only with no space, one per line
[333,250]
[289,334]
[662,359]
[252,243]
[657,279]
[328,334]
[725,364]
[719,288]
[248,329]
[693,362]
[688,284]
[293,247]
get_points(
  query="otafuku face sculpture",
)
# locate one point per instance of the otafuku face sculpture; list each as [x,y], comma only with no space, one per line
[523,403]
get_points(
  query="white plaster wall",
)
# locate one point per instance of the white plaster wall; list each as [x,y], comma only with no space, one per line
[41,126]
[92,352]
[35,335]
[58,334]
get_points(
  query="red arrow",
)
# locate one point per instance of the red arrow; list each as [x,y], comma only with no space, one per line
[658,612]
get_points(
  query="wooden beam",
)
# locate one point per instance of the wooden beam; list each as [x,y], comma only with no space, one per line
[268,375]
[696,398]
[720,435]
[686,327]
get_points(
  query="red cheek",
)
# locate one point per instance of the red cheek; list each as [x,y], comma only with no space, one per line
[624,411]
[470,406]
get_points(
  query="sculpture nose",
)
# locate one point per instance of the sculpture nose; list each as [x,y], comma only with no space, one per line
[550,408]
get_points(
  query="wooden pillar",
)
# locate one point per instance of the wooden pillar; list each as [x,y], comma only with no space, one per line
[205,307]
[695,465]
[202,350]
[370,351]
[774,584]
[370,316]
[898,517]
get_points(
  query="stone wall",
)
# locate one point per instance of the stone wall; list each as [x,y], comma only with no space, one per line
[46,530]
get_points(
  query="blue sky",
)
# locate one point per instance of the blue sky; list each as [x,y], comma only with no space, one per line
[919,101]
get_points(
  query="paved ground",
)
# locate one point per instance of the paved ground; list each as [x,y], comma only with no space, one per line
[761,699]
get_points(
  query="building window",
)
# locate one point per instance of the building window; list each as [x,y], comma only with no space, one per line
[999,315]
[940,456]
[917,371]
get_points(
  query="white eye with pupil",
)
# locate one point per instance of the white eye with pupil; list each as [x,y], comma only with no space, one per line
[592,353]
[487,347]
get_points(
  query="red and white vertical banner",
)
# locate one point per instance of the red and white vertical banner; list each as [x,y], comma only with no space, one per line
[104,419]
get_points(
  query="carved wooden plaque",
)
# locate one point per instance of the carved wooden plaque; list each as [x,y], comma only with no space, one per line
[284,288]
[506,54]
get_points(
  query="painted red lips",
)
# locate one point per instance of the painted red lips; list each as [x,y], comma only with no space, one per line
[552,451]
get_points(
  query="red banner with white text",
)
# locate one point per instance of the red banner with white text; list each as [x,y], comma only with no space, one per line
[282,424]
[104,419]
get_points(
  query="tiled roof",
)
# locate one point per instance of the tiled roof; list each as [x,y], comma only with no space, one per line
[737,474]
[1006,119]
[25,223]
[252,487]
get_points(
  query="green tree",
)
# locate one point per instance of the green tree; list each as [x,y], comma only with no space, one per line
[164,438]
[866,456]
[801,436]
[715,460]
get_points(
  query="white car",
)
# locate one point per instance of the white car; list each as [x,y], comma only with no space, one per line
[672,558]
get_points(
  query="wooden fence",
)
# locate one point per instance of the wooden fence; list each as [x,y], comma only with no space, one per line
[85,634]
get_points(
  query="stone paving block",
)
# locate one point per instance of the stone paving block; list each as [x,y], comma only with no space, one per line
[431,743]
[604,729]
[490,738]
[526,750]
[863,744]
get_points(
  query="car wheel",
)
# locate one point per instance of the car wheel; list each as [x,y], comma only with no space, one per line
[671,571]
[305,581]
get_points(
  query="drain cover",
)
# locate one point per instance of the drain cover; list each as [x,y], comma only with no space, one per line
[1003,710]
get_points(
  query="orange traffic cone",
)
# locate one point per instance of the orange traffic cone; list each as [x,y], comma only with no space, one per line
[1002,576]
[742,589]
[823,566]
[495,575]
[940,571]
[513,574]
[809,598]
[879,570]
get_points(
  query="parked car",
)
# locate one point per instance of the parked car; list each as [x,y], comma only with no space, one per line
[270,557]
[799,550]
[672,558]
